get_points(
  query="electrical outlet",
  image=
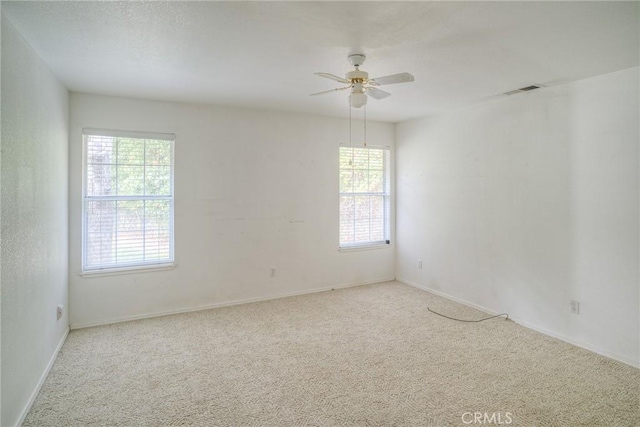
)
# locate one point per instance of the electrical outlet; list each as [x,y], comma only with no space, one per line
[419,264]
[273,272]
[575,307]
[59,311]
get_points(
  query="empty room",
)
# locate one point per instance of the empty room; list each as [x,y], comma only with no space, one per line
[320,213]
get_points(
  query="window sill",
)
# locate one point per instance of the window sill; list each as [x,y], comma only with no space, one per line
[365,247]
[128,270]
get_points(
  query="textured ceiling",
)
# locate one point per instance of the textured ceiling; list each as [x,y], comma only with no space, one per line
[264,54]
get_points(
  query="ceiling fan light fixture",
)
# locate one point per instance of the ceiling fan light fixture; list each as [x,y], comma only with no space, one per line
[357,100]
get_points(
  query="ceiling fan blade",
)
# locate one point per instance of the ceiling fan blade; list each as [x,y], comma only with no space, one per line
[332,77]
[376,93]
[392,79]
[330,90]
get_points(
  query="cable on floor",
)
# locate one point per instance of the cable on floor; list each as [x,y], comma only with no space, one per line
[471,321]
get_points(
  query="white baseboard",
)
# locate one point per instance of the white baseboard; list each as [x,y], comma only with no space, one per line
[42,379]
[606,353]
[601,352]
[227,303]
[447,296]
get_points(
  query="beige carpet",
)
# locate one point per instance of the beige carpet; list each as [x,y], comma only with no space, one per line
[366,356]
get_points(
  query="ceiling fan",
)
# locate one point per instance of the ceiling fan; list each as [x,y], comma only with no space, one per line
[361,85]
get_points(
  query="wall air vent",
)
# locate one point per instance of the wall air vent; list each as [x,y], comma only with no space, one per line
[523,89]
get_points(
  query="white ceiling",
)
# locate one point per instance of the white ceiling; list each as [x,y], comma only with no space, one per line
[264,54]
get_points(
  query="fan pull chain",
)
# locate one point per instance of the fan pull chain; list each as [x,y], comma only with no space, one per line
[350,135]
[365,125]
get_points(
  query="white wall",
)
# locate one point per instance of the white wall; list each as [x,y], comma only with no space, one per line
[253,190]
[525,203]
[34,276]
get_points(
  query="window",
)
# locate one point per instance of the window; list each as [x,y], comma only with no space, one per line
[364,196]
[128,200]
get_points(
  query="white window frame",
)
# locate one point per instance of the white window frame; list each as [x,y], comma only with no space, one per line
[386,242]
[132,267]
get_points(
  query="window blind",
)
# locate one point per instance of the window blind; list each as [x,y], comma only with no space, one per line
[128,201]
[364,196]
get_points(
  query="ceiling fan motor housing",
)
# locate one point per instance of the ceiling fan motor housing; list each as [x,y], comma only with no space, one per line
[357,76]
